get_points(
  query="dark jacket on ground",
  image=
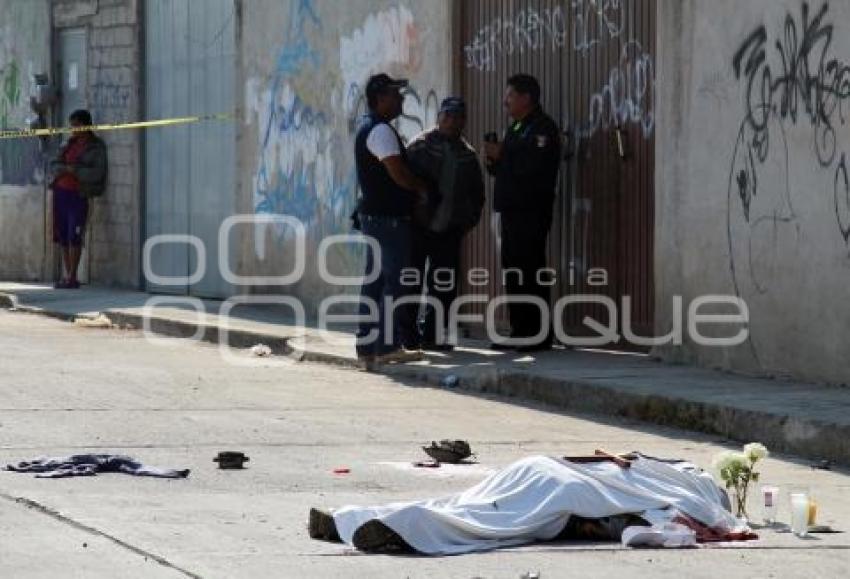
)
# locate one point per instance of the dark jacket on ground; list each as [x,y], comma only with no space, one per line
[458,198]
[527,173]
[91,169]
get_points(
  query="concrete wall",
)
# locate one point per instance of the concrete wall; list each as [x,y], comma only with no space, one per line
[752,177]
[24,51]
[113,97]
[303,68]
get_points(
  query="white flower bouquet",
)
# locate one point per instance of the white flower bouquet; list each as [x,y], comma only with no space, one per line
[737,470]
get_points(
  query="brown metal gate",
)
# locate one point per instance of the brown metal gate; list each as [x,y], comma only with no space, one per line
[595,61]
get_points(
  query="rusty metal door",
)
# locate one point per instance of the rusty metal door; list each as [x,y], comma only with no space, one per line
[595,62]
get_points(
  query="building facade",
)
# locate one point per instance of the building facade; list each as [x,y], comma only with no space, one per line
[704,150]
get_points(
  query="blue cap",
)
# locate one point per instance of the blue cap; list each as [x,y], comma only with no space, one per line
[453,105]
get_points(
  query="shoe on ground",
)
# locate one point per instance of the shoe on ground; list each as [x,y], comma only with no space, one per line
[321,526]
[375,537]
[399,356]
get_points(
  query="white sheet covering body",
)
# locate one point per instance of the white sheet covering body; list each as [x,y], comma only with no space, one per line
[532,499]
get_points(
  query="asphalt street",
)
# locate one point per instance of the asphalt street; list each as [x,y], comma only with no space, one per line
[66,389]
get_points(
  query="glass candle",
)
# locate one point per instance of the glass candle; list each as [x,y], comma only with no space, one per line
[813,512]
[799,514]
[769,502]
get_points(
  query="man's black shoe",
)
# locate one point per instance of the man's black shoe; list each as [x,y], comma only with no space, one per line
[375,537]
[321,526]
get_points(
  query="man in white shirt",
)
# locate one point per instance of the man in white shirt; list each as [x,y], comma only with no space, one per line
[390,192]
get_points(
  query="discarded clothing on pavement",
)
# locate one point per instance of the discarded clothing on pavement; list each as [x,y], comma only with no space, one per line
[534,498]
[91,465]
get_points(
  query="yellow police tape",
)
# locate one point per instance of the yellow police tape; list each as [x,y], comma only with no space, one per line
[50,131]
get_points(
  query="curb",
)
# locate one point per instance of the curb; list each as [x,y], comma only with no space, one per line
[807,438]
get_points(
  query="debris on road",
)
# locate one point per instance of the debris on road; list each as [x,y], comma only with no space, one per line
[450,381]
[342,470]
[230,460]
[261,351]
[451,451]
[427,464]
[99,322]
[91,465]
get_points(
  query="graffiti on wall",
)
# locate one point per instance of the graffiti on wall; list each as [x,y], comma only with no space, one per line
[110,95]
[528,30]
[596,22]
[389,37]
[627,97]
[20,159]
[791,81]
[10,77]
[305,121]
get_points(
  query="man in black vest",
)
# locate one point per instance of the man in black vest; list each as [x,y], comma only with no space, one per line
[525,166]
[389,193]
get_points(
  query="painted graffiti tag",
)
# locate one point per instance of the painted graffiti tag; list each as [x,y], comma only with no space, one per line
[842,199]
[805,84]
[110,97]
[528,30]
[306,163]
[628,96]
[808,84]
[596,21]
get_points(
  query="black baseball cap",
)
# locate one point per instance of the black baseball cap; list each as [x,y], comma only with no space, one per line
[453,105]
[379,83]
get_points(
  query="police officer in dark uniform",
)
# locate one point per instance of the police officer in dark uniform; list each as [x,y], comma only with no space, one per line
[525,165]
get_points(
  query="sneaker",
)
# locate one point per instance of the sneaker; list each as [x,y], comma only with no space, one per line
[322,526]
[399,356]
[375,537]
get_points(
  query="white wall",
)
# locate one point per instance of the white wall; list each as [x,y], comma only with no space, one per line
[304,66]
[752,185]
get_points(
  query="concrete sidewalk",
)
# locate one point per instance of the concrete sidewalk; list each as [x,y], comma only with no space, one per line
[809,420]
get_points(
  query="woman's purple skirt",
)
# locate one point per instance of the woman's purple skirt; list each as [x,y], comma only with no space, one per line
[70,211]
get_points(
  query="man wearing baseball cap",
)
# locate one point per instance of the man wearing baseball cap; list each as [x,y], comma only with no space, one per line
[389,194]
[443,157]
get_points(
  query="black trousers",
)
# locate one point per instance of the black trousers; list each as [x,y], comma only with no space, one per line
[437,257]
[524,235]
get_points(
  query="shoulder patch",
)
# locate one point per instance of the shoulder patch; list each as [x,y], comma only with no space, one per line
[542,141]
